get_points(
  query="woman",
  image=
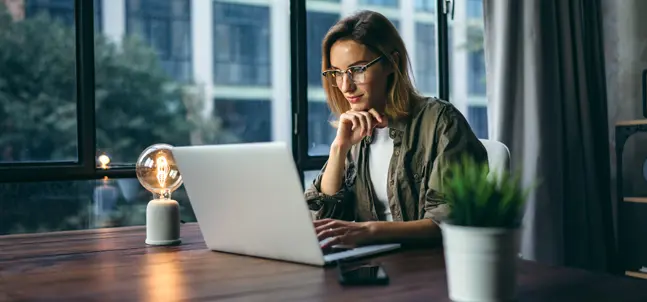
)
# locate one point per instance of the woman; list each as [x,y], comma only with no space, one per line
[382,180]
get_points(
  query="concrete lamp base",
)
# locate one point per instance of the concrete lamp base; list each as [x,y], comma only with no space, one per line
[163,222]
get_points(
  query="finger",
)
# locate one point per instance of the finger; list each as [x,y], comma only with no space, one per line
[370,121]
[332,242]
[362,122]
[354,121]
[321,222]
[376,115]
[331,225]
[331,232]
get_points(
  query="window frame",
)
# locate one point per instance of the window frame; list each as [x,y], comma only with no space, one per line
[86,168]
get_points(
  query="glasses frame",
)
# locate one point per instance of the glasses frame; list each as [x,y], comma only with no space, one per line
[362,69]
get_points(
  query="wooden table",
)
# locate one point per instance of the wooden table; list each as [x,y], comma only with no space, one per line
[116,265]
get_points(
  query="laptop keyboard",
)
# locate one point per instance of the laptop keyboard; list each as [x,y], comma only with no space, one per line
[332,250]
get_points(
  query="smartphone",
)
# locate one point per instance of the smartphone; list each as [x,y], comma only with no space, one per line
[362,274]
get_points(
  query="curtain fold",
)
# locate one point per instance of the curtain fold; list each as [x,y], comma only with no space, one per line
[547,100]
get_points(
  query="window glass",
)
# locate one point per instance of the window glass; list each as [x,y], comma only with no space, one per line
[241,44]
[425,5]
[467,65]
[38,116]
[320,132]
[426,71]
[391,3]
[77,205]
[162,80]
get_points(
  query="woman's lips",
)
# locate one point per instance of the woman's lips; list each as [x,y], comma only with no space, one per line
[354,99]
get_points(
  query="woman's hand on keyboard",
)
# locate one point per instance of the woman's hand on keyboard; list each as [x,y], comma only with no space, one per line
[343,232]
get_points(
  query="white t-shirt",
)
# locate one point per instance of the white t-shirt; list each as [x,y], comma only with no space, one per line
[379,157]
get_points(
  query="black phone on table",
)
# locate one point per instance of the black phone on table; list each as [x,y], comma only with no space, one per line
[363,273]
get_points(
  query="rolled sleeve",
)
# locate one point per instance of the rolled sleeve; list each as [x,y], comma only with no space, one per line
[337,206]
[455,138]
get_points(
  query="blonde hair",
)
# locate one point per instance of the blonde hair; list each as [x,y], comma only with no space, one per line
[378,34]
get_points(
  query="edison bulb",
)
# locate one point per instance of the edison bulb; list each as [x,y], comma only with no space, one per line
[157,171]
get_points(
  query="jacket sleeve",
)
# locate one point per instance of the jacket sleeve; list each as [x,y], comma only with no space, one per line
[336,206]
[455,138]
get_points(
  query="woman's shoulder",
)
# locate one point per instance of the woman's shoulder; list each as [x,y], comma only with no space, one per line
[433,110]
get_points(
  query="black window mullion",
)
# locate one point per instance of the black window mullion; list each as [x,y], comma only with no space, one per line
[86,122]
[443,51]
[299,83]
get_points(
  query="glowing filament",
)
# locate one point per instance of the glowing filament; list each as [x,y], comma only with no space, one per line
[162,170]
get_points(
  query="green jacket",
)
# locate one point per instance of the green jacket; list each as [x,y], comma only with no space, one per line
[424,143]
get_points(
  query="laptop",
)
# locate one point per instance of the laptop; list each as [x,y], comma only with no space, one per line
[248,200]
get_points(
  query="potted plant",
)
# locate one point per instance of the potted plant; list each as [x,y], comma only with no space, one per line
[481,231]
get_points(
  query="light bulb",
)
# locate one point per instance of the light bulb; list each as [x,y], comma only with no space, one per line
[157,171]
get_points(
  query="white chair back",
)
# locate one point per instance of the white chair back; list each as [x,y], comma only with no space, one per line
[498,156]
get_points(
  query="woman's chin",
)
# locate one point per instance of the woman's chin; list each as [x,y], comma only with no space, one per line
[359,106]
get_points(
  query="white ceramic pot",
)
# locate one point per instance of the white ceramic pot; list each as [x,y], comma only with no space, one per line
[480,263]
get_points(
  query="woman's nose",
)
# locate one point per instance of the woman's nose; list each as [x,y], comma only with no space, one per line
[347,84]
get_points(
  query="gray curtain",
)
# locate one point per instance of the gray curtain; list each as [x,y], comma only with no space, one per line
[547,100]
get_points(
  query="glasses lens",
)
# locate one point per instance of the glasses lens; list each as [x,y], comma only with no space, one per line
[358,74]
[333,77]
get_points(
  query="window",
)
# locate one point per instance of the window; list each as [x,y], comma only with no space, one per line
[165,26]
[244,121]
[317,24]
[77,205]
[426,69]
[241,44]
[467,66]
[425,5]
[182,72]
[474,8]
[391,3]
[476,62]
[477,117]
[37,83]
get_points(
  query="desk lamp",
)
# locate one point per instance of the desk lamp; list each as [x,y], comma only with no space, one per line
[158,173]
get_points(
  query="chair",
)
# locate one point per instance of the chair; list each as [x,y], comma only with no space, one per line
[498,155]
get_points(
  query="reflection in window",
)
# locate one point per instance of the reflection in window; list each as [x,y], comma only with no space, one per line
[320,132]
[477,117]
[78,205]
[391,3]
[247,120]
[426,58]
[166,26]
[317,24]
[241,44]
[474,8]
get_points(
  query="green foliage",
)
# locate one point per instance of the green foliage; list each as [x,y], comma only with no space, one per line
[477,199]
[137,104]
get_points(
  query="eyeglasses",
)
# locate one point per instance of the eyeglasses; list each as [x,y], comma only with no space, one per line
[357,74]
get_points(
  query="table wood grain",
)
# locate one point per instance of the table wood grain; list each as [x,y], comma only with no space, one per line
[116,265]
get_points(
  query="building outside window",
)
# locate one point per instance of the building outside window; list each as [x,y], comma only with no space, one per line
[426,67]
[477,117]
[61,10]
[165,26]
[241,44]
[389,3]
